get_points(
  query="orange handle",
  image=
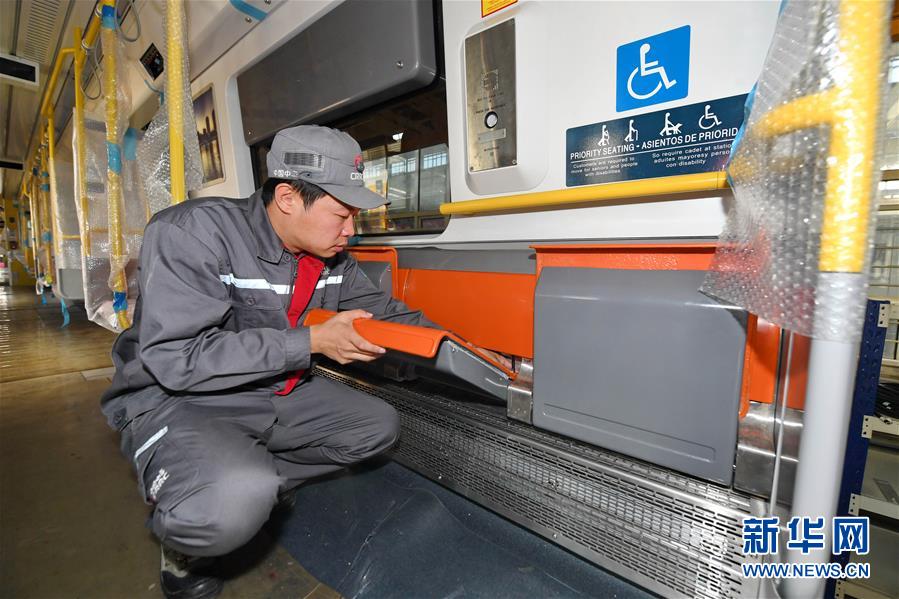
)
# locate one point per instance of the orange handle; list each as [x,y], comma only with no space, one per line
[407,338]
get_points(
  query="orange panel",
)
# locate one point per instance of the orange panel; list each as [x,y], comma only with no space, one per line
[492,310]
[799,372]
[760,372]
[747,364]
[633,257]
[418,341]
[409,339]
[380,254]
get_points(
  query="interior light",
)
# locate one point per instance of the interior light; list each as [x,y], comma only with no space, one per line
[397,136]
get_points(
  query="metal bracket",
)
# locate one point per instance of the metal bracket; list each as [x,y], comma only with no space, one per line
[520,395]
[883,315]
[879,424]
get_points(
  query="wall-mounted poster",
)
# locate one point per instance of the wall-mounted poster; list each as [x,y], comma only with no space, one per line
[207,132]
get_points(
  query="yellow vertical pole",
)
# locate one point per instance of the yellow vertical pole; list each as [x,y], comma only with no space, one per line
[117,254]
[173,95]
[81,164]
[56,229]
[35,224]
[844,227]
[46,215]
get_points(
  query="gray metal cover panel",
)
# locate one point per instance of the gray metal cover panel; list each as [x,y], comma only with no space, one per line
[642,363]
[346,61]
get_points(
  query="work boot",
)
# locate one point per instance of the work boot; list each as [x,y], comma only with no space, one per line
[186,577]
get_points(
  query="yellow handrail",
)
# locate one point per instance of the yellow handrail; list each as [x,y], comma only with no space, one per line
[117,251]
[592,193]
[46,214]
[51,85]
[81,166]
[173,95]
[51,163]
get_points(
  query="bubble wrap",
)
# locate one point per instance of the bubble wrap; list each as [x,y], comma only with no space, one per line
[153,154]
[62,194]
[768,255]
[95,263]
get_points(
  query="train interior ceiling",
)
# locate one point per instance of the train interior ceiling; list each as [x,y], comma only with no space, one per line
[659,241]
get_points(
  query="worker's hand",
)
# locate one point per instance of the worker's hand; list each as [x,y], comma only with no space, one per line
[496,357]
[338,340]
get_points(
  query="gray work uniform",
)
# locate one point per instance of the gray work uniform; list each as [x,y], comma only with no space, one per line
[196,375]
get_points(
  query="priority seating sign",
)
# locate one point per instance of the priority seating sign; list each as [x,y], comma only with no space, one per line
[653,70]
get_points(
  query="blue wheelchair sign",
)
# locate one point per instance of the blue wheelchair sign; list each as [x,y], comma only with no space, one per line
[653,70]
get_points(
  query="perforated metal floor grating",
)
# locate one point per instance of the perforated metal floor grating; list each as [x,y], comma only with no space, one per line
[670,533]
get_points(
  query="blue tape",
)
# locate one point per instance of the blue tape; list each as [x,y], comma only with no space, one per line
[114,157]
[66,319]
[46,237]
[119,301]
[129,144]
[109,16]
[45,187]
[249,10]
[45,174]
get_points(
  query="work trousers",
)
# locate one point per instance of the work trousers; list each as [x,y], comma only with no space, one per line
[212,465]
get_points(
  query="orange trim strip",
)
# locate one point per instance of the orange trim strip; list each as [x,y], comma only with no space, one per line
[694,256]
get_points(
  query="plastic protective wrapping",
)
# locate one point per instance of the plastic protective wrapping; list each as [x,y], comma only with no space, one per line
[62,194]
[94,225]
[810,141]
[154,157]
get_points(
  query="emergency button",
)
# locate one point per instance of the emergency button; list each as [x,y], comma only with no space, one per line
[491,119]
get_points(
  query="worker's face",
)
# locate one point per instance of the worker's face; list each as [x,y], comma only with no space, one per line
[323,229]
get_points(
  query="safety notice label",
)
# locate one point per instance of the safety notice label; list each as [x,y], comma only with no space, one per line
[678,141]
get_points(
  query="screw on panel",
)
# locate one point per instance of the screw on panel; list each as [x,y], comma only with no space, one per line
[248,19]
[400,64]
[883,315]
[514,161]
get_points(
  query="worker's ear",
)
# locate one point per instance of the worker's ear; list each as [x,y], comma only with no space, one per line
[286,198]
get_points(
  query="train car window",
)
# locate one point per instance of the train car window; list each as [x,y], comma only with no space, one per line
[404,145]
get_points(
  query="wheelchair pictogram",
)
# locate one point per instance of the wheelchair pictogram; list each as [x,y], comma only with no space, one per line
[653,69]
[647,69]
[709,119]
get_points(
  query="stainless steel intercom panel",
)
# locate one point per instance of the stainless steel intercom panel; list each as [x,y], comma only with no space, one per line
[490,98]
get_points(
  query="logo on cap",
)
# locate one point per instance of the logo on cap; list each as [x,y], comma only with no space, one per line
[360,166]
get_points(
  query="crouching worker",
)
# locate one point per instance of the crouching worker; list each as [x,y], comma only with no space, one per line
[212,392]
